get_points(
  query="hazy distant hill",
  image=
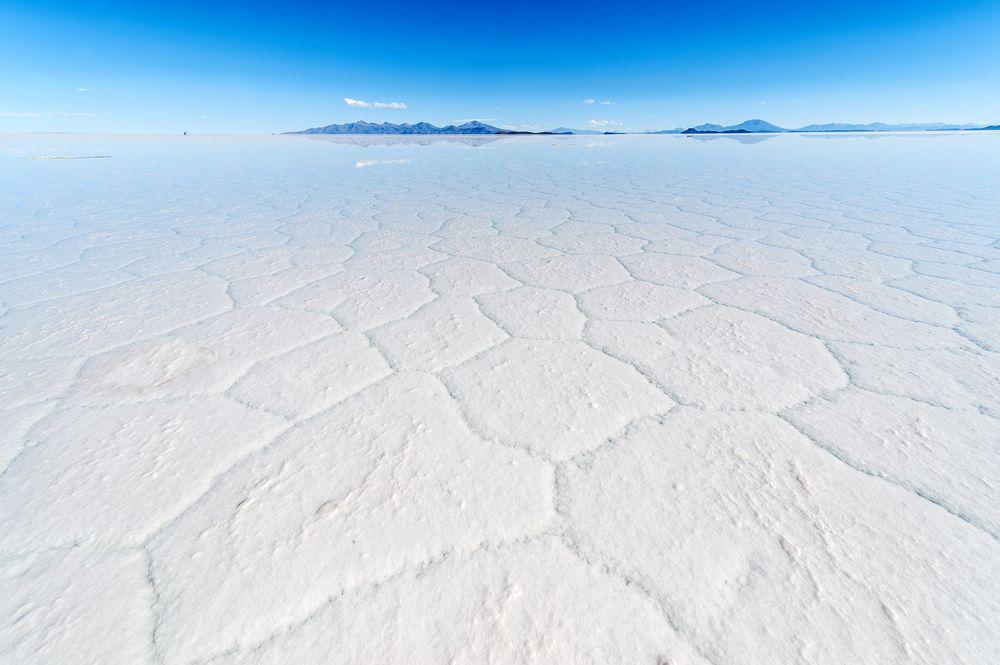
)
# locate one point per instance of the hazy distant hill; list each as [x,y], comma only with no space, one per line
[567,130]
[362,127]
[882,127]
[758,126]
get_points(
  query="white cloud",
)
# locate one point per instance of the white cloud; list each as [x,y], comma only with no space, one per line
[15,114]
[589,101]
[604,123]
[374,105]
[607,102]
[83,89]
[71,114]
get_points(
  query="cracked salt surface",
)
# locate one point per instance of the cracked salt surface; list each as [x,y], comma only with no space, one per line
[495,401]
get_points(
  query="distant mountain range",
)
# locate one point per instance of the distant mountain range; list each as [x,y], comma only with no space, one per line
[567,130]
[758,126]
[754,126]
[883,127]
[362,127]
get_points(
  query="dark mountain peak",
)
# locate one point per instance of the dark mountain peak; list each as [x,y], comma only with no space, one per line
[696,130]
[363,127]
[752,126]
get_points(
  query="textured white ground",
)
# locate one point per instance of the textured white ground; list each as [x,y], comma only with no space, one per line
[609,400]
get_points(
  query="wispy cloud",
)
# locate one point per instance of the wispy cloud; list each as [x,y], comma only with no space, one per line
[374,105]
[535,127]
[33,114]
[83,89]
[604,123]
[607,102]
[589,101]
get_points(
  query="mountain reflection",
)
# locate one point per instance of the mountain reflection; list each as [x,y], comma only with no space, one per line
[366,140]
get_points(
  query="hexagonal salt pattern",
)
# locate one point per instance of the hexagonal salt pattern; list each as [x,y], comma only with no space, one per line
[555,399]
[315,514]
[524,602]
[760,545]
[463,400]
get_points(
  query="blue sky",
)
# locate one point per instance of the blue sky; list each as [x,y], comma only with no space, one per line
[277,66]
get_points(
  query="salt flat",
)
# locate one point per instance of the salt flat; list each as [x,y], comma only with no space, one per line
[612,399]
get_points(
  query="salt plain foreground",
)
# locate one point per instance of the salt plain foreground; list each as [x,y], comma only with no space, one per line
[533,400]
